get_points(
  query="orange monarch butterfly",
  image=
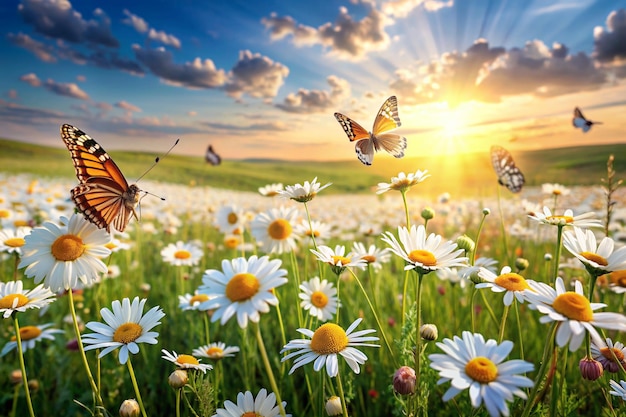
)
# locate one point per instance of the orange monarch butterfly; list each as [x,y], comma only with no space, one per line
[508,174]
[103,195]
[580,121]
[367,143]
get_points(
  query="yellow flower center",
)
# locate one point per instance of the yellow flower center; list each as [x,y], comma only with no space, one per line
[370,259]
[313,233]
[182,254]
[4,214]
[423,256]
[606,352]
[336,259]
[619,278]
[28,333]
[594,257]
[232,218]
[279,229]
[319,299]
[214,351]
[574,306]
[198,298]
[110,245]
[20,223]
[329,338]
[127,332]
[242,286]
[15,242]
[250,414]
[512,282]
[187,359]
[8,300]
[67,248]
[556,192]
[482,370]
[561,219]
[231,242]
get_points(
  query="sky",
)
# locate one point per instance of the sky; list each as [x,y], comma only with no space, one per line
[262,79]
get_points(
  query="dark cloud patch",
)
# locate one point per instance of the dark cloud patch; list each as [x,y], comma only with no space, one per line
[256,75]
[317,101]
[40,50]
[195,74]
[610,43]
[58,20]
[66,89]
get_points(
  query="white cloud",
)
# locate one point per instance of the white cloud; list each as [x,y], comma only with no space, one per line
[41,51]
[138,23]
[164,38]
[124,105]
[256,75]
[317,101]
[402,8]
[66,89]
[31,79]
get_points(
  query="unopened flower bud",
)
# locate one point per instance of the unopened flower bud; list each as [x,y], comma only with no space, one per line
[521,264]
[15,377]
[404,380]
[547,257]
[178,379]
[33,385]
[129,408]
[486,211]
[590,368]
[333,406]
[429,332]
[428,213]
[466,243]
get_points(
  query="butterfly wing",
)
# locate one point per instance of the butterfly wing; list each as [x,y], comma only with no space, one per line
[212,157]
[364,146]
[392,143]
[103,195]
[509,175]
[365,151]
[387,118]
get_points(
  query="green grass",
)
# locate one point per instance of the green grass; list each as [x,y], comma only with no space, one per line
[469,174]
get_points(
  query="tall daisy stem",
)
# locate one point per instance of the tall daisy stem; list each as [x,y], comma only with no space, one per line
[545,363]
[136,387]
[344,407]
[81,349]
[505,314]
[268,369]
[418,339]
[18,338]
[557,252]
[406,209]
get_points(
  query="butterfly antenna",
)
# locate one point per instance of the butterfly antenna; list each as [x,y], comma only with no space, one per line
[149,193]
[156,161]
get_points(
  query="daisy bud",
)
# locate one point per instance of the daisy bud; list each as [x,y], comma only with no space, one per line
[15,377]
[72,345]
[466,243]
[178,379]
[129,408]
[547,257]
[33,385]
[486,211]
[404,380]
[145,287]
[521,264]
[590,368]
[429,332]
[428,213]
[333,406]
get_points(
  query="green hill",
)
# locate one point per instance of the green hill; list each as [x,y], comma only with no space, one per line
[465,174]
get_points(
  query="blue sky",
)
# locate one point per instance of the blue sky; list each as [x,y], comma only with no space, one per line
[263,79]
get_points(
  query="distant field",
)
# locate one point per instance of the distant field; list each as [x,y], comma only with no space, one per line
[469,174]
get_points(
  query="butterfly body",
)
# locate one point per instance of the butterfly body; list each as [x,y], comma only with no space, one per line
[581,121]
[103,195]
[509,175]
[368,143]
[212,157]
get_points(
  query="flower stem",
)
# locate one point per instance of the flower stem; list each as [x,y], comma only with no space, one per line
[81,349]
[557,252]
[545,361]
[405,286]
[505,314]
[136,387]
[406,210]
[206,327]
[268,369]
[418,339]
[344,407]
[520,339]
[18,338]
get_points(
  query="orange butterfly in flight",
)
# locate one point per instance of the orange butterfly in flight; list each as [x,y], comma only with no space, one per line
[103,195]
[367,143]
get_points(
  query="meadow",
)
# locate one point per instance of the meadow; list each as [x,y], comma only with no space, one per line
[463,201]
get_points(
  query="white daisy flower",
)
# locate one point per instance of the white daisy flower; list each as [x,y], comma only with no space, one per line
[182,253]
[337,258]
[619,389]
[271,190]
[606,352]
[262,406]
[424,253]
[126,326]
[243,288]
[469,362]
[216,351]
[191,302]
[372,255]
[317,230]
[273,230]
[600,258]
[303,192]
[12,240]
[61,256]
[585,220]
[575,314]
[403,181]
[185,361]
[14,298]
[512,284]
[116,245]
[328,341]
[554,189]
[319,298]
[470,271]
[617,281]
[230,219]
[30,335]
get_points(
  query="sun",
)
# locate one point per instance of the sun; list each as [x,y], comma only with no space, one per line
[453,131]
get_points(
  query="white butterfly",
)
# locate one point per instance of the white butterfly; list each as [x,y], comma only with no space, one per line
[508,174]
[367,143]
[580,121]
